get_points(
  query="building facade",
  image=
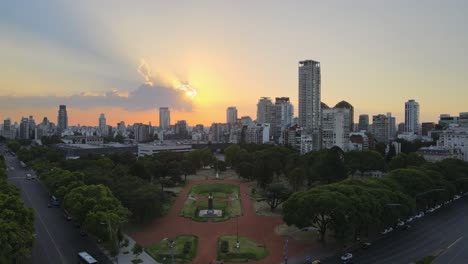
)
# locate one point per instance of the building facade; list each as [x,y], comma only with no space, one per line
[412,117]
[363,123]
[310,112]
[231,115]
[164,118]
[336,127]
[265,111]
[283,117]
[62,119]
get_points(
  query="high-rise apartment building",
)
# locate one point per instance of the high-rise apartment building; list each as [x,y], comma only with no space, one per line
[310,112]
[363,123]
[283,117]
[164,118]
[102,125]
[265,111]
[412,117]
[62,120]
[24,128]
[383,128]
[336,127]
[231,115]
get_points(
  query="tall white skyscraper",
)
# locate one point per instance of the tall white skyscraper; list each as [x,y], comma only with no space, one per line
[283,117]
[310,112]
[412,116]
[164,118]
[102,125]
[265,111]
[231,115]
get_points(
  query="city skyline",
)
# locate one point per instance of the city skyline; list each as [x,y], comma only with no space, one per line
[112,68]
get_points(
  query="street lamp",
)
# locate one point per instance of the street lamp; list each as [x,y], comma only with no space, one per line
[285,247]
[171,245]
[112,237]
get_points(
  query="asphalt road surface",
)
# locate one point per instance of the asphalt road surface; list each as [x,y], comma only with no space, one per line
[443,233]
[56,239]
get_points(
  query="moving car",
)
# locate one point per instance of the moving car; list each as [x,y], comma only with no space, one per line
[347,257]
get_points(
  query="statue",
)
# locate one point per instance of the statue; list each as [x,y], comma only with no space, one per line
[210,202]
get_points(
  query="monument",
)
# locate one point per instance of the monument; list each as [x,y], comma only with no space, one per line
[210,203]
[210,212]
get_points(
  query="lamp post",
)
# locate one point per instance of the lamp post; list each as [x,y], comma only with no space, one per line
[112,238]
[171,245]
[285,247]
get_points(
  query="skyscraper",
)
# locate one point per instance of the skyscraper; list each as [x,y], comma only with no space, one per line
[383,128]
[24,128]
[283,117]
[102,125]
[264,110]
[363,123]
[412,116]
[336,127]
[62,120]
[310,112]
[231,115]
[164,118]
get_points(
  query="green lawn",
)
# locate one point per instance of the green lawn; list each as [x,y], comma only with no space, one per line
[161,251]
[220,191]
[214,188]
[249,250]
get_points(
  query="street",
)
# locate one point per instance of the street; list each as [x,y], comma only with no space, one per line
[443,233]
[56,239]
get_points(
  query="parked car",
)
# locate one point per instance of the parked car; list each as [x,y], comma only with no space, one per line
[401,223]
[49,205]
[406,227]
[409,220]
[67,215]
[456,197]
[431,210]
[366,245]
[83,233]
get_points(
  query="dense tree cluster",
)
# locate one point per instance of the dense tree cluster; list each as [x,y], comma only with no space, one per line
[16,222]
[354,207]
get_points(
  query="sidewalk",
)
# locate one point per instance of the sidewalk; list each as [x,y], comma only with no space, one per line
[127,258]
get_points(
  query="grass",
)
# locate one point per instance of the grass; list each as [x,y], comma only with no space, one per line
[426,260]
[161,251]
[214,188]
[249,250]
[220,191]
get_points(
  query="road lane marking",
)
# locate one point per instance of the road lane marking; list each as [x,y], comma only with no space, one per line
[454,242]
[45,227]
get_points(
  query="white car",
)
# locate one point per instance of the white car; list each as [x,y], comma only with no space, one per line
[401,223]
[347,257]
[456,197]
[409,220]
[437,207]
[431,210]
[386,231]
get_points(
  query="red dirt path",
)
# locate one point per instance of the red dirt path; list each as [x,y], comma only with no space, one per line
[256,227]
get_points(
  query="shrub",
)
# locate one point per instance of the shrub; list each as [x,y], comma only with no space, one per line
[187,247]
[224,246]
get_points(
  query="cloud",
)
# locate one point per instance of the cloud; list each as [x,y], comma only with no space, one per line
[152,94]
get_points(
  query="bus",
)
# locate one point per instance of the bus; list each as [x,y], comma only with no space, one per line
[85,258]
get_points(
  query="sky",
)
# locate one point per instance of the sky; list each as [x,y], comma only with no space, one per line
[128,58]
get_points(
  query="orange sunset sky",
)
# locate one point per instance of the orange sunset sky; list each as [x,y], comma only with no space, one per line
[87,54]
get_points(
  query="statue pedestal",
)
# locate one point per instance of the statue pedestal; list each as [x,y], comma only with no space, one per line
[210,213]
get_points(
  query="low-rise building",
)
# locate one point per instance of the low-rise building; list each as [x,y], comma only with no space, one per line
[150,149]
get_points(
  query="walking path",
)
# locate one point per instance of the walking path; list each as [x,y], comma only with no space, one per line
[256,227]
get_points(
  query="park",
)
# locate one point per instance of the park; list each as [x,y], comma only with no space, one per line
[238,234]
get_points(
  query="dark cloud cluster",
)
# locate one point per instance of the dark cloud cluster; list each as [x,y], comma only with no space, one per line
[145,97]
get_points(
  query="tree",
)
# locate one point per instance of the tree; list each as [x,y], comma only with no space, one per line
[245,170]
[232,154]
[296,178]
[14,145]
[187,168]
[275,195]
[16,225]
